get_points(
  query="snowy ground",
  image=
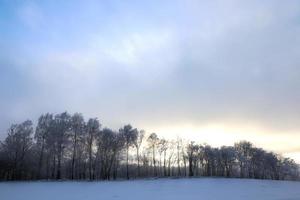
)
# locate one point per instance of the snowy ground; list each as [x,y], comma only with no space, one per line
[169,189]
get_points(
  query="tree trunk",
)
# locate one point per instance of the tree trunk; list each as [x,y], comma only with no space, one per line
[191,167]
[74,155]
[178,163]
[58,175]
[41,159]
[165,170]
[90,158]
[153,153]
[127,170]
[138,161]
[184,163]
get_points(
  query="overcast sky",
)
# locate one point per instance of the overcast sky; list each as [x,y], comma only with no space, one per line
[210,71]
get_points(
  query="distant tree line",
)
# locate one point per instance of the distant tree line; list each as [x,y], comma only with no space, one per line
[65,146]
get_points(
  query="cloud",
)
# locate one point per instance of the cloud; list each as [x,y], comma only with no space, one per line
[158,65]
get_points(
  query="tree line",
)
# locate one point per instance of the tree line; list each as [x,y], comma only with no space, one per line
[65,146]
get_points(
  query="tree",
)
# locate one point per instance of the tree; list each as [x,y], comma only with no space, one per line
[171,149]
[184,157]
[289,170]
[153,140]
[228,156]
[77,133]
[178,148]
[64,146]
[163,147]
[92,128]
[130,136]
[61,131]
[138,142]
[243,149]
[16,147]
[109,144]
[192,150]
[42,132]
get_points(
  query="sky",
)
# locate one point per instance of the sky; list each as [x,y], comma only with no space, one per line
[210,71]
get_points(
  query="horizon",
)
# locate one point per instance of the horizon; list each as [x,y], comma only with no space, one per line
[214,72]
[188,134]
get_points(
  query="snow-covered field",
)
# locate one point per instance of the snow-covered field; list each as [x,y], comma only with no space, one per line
[170,189]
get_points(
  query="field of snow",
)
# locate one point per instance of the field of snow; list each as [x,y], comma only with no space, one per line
[168,189]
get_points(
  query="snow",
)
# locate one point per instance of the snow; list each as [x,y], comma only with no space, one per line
[167,189]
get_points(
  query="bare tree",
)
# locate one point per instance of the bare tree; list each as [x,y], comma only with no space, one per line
[110,143]
[192,150]
[17,146]
[228,156]
[61,131]
[153,140]
[178,148]
[66,147]
[243,149]
[138,142]
[92,128]
[130,137]
[42,132]
[77,127]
